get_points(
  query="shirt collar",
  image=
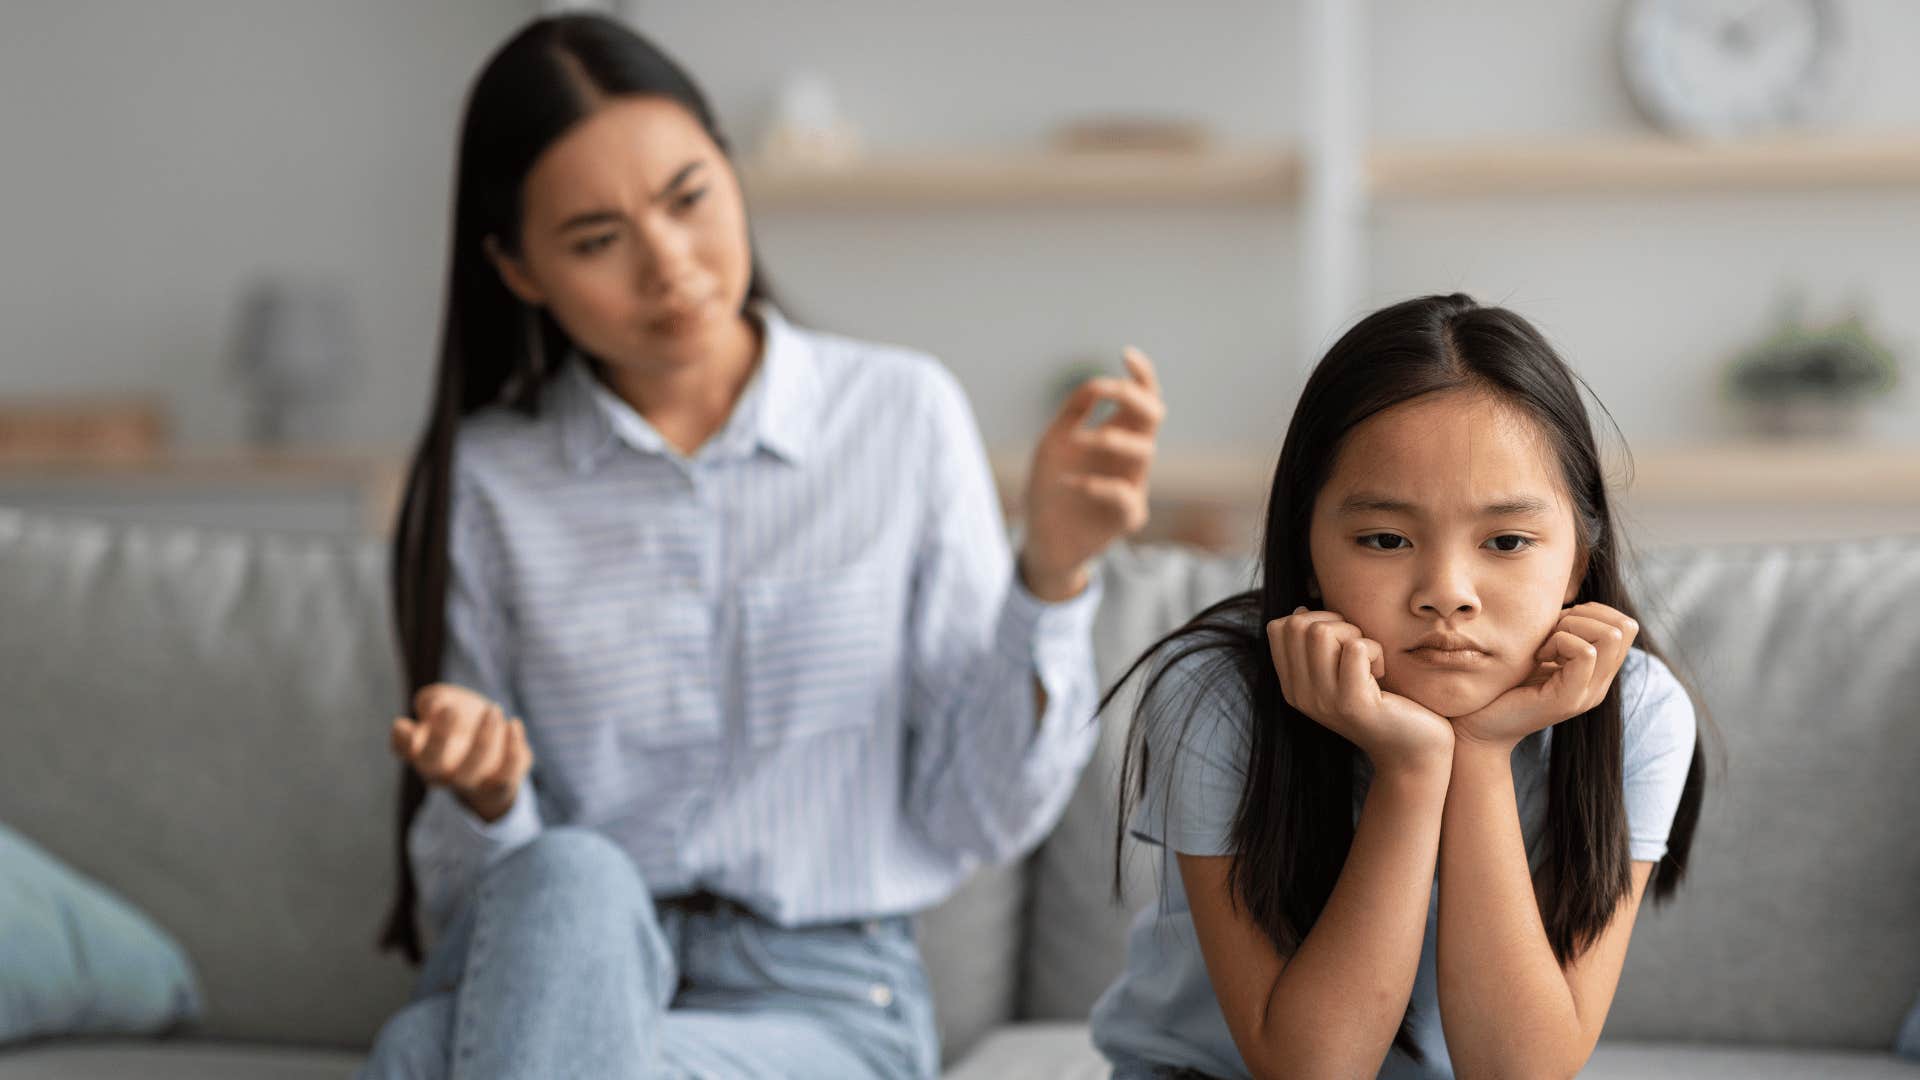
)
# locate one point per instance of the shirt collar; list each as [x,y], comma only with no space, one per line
[778,410]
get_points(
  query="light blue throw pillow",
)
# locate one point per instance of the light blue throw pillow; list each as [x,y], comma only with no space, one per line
[77,960]
[1907,1045]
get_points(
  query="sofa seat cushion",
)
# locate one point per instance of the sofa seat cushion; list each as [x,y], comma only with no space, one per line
[1064,1051]
[172,1060]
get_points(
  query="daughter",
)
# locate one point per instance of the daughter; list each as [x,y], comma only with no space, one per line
[1439,672]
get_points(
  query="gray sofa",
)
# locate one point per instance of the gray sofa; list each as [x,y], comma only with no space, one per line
[197,720]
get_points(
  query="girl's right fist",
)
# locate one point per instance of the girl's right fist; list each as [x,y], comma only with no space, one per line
[461,740]
[1330,671]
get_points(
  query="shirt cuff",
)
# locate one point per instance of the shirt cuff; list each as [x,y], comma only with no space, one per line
[518,825]
[1052,640]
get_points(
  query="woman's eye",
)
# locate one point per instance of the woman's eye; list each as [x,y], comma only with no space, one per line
[688,201]
[1522,542]
[593,244]
[1382,536]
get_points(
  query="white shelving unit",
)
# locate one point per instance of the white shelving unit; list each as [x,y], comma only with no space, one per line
[1335,174]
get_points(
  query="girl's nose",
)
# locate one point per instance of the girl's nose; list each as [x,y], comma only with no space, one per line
[1445,588]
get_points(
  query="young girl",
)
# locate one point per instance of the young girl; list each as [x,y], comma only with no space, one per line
[783,683]
[1439,671]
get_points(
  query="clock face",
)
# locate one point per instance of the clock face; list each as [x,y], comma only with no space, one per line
[1730,67]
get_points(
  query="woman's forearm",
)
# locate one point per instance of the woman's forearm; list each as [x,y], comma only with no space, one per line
[1335,1007]
[1505,1004]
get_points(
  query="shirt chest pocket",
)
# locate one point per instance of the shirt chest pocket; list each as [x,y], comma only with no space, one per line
[632,666]
[621,695]
[821,654]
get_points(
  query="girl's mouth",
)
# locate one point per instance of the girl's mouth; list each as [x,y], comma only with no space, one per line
[1452,659]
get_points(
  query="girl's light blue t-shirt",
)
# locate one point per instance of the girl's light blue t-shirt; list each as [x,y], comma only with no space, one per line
[1162,1010]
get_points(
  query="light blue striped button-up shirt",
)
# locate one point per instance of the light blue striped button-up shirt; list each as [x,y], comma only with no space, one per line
[795,669]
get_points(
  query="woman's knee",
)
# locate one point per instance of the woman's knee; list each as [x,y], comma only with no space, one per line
[414,1044]
[572,861]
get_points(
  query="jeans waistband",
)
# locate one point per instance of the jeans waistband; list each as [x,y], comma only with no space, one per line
[702,903]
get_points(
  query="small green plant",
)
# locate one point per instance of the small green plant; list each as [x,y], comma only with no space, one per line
[1839,362]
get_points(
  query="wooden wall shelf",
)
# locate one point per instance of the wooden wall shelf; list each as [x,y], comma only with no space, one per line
[994,177]
[1642,165]
[1626,164]
[1731,474]
[371,480]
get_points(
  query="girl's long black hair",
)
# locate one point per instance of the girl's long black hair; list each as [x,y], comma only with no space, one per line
[494,350]
[1293,826]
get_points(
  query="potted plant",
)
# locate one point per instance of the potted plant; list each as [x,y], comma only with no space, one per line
[1811,381]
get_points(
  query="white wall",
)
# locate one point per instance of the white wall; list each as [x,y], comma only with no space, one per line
[156,154]
[1646,296]
[1010,296]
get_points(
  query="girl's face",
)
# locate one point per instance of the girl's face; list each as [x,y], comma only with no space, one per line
[634,235]
[1446,515]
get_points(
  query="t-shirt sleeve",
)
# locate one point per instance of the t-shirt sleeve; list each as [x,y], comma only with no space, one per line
[1657,749]
[1196,719]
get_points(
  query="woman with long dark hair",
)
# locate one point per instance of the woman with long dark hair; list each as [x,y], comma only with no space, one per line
[721,664]
[1439,670]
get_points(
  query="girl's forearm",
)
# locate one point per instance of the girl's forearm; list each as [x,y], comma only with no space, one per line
[1505,1004]
[1335,1007]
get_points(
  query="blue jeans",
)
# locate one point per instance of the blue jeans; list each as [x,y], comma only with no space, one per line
[559,965]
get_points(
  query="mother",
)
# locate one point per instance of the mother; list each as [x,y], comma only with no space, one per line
[783,682]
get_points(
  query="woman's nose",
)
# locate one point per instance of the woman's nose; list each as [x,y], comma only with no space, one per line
[664,260]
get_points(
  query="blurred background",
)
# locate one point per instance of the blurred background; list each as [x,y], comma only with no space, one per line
[225,227]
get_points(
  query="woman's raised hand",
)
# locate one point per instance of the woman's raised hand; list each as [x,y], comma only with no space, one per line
[462,740]
[1088,485]
[1330,671]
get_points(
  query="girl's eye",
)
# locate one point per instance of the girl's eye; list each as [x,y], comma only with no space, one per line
[593,244]
[690,199]
[1399,542]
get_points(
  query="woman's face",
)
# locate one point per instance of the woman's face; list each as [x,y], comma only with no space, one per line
[1446,514]
[634,235]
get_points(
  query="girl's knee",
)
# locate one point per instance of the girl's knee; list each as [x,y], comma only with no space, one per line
[414,1044]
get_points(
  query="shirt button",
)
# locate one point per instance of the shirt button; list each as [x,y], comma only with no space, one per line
[881,994]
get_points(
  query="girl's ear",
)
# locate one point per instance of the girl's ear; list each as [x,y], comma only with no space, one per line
[514,274]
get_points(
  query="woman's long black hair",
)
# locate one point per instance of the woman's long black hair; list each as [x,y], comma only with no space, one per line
[1293,826]
[494,350]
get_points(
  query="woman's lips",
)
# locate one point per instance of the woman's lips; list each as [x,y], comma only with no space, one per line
[1452,659]
[679,320]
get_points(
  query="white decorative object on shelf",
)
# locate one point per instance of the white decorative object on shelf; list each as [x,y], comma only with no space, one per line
[1724,68]
[807,130]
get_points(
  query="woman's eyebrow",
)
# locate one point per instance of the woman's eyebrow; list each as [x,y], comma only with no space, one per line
[679,178]
[588,217]
[1368,502]
[608,217]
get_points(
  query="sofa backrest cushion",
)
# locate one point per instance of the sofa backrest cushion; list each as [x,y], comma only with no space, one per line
[195,720]
[198,720]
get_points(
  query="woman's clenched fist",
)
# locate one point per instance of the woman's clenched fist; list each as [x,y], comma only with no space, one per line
[462,740]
